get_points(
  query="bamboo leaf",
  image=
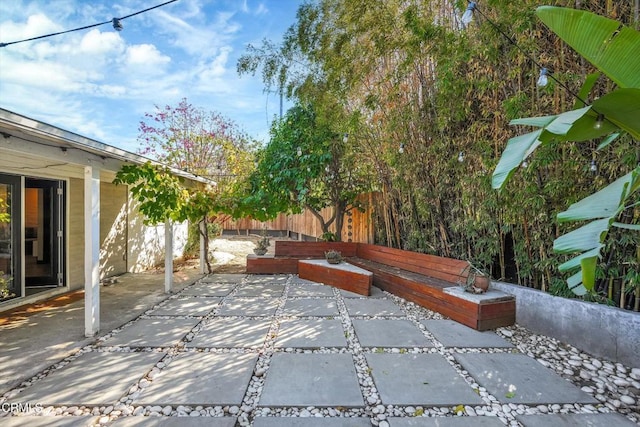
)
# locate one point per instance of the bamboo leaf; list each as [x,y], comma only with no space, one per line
[608,140]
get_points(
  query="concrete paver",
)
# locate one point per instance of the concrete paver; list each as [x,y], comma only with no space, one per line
[311,380]
[311,333]
[94,378]
[310,307]
[389,333]
[45,421]
[221,332]
[175,422]
[372,307]
[260,289]
[419,379]
[269,279]
[223,278]
[249,306]
[208,289]
[310,361]
[453,334]
[152,333]
[517,378]
[575,420]
[445,422]
[310,422]
[186,307]
[206,379]
[375,293]
[310,290]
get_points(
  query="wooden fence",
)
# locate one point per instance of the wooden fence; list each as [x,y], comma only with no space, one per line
[358,226]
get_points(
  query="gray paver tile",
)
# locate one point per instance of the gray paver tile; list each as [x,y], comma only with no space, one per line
[372,307]
[575,420]
[521,377]
[209,289]
[271,290]
[375,293]
[273,279]
[201,379]
[445,422]
[220,332]
[186,307]
[310,307]
[297,279]
[46,421]
[419,379]
[310,422]
[175,422]
[223,278]
[94,378]
[389,333]
[311,333]
[251,307]
[152,333]
[310,290]
[453,334]
[311,380]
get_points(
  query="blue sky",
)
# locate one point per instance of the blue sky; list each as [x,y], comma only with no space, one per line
[100,82]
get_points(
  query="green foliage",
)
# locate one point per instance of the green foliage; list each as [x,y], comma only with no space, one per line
[601,40]
[5,282]
[192,247]
[160,193]
[304,166]
[392,73]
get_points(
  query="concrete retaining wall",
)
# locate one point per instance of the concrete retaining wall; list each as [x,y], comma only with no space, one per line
[603,331]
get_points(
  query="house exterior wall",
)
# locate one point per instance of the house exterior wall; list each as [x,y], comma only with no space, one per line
[146,242]
[75,233]
[113,229]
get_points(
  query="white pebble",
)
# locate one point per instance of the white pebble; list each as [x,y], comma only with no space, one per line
[627,400]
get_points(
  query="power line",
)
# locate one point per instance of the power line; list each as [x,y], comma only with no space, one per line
[117,25]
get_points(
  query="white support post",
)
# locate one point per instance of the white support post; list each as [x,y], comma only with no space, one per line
[203,262]
[168,256]
[91,250]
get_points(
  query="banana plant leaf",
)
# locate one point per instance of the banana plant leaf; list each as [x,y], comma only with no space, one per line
[603,204]
[602,207]
[609,46]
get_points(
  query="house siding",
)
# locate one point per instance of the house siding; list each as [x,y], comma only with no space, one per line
[75,224]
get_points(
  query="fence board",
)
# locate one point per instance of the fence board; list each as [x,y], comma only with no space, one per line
[358,226]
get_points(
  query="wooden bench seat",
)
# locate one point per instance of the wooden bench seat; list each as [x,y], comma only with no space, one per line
[490,310]
[427,280]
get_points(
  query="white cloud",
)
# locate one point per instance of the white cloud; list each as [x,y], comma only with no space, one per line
[98,43]
[36,25]
[146,55]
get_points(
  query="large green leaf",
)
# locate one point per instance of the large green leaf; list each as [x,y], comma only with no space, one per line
[622,108]
[610,47]
[514,153]
[603,204]
[585,238]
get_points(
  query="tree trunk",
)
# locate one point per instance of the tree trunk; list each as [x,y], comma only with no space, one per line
[204,232]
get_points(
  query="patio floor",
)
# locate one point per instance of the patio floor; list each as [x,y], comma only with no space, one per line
[235,349]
